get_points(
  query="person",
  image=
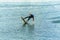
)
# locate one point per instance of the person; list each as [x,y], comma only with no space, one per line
[29,17]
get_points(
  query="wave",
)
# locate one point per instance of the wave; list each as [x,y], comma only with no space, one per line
[27,4]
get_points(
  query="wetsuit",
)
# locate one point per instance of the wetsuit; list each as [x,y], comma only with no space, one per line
[29,17]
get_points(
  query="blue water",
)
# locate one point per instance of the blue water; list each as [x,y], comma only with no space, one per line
[46,24]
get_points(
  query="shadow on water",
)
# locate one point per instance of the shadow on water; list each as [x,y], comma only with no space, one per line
[57,21]
[29,28]
[30,25]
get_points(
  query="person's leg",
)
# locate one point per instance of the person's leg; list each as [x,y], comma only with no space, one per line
[25,17]
[28,19]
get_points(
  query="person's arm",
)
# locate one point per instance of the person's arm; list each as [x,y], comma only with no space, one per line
[33,18]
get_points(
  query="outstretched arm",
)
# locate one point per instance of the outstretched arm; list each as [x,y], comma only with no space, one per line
[33,18]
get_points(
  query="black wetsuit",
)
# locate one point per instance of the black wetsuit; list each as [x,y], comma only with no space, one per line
[29,17]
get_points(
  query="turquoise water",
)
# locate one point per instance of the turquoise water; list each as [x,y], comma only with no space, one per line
[46,25]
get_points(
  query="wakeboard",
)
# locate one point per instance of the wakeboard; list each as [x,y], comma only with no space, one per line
[24,21]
